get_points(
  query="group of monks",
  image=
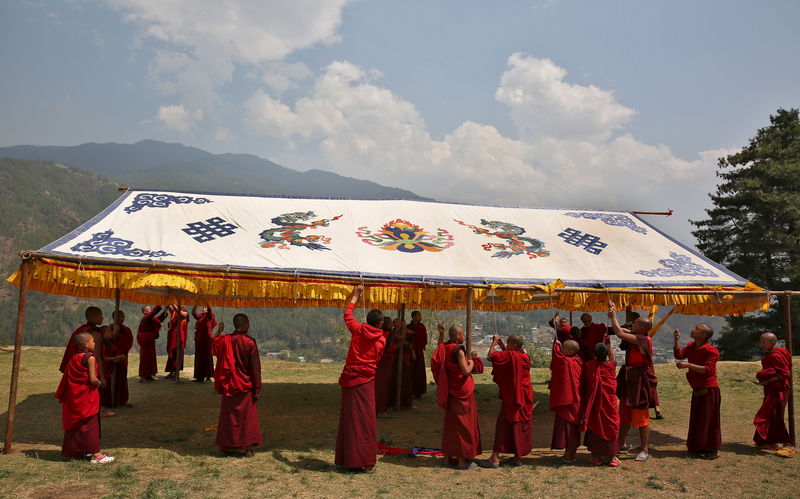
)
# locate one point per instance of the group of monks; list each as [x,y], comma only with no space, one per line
[587,393]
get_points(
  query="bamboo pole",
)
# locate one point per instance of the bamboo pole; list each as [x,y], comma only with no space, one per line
[115,318]
[24,266]
[787,331]
[401,314]
[468,325]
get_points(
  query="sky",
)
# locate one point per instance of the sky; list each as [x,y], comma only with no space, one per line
[607,105]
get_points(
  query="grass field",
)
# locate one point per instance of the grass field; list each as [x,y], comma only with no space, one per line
[164,450]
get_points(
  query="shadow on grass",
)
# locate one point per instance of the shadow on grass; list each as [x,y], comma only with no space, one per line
[45,454]
[303,463]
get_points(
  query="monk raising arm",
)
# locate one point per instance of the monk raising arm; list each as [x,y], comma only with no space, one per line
[681,354]
[465,364]
[441,334]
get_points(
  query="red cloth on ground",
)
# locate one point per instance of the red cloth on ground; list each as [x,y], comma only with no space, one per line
[704,355]
[83,439]
[705,433]
[146,336]
[178,324]
[461,436]
[419,384]
[384,376]
[636,380]
[366,347]
[238,379]
[591,336]
[357,436]
[71,348]
[512,438]
[566,435]
[565,385]
[769,422]
[116,392]
[78,398]
[599,405]
[203,334]
[511,371]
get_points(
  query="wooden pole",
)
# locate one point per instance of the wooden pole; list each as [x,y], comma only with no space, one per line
[113,380]
[468,325]
[179,347]
[787,331]
[401,314]
[25,270]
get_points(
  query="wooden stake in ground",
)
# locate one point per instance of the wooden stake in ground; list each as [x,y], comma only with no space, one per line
[25,272]
[468,325]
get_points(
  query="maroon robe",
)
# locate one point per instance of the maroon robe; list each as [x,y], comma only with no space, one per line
[146,336]
[406,379]
[590,336]
[565,399]
[115,393]
[455,393]
[80,408]
[203,334]
[178,325]
[71,349]
[511,370]
[705,434]
[563,333]
[383,378]
[599,408]
[636,380]
[419,378]
[238,379]
[769,423]
[357,436]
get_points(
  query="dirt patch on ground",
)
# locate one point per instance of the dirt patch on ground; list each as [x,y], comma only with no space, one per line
[59,491]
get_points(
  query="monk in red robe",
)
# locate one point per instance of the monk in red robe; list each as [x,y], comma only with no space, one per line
[383,373]
[562,327]
[176,339]
[146,336]
[455,393]
[635,381]
[203,334]
[776,367]
[404,342]
[80,403]
[592,333]
[120,340]
[238,379]
[565,397]
[94,318]
[705,436]
[600,418]
[511,370]
[419,383]
[357,437]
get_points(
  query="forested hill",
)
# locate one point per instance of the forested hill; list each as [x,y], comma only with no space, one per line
[152,164]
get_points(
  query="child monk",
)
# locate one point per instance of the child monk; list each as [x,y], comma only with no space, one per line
[146,336]
[94,318]
[600,418]
[511,370]
[705,438]
[776,367]
[80,403]
[452,369]
[565,397]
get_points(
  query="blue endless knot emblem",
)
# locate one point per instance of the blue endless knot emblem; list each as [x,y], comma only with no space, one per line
[210,229]
[590,244]
[609,219]
[103,243]
[152,200]
[678,265]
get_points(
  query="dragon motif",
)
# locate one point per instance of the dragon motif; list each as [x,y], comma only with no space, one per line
[514,244]
[287,234]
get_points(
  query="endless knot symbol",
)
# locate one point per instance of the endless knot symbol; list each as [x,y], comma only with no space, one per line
[103,243]
[591,244]
[210,229]
[152,200]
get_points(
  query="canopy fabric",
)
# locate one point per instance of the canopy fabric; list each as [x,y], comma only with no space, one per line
[239,250]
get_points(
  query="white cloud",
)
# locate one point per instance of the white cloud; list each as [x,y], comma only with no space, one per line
[177,118]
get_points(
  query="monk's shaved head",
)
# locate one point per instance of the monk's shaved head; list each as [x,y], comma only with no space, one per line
[455,332]
[641,326]
[240,320]
[94,315]
[769,337]
[515,340]
[601,352]
[571,347]
[81,339]
[706,329]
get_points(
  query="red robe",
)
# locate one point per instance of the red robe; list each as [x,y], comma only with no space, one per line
[636,380]
[406,380]
[146,335]
[115,392]
[705,433]
[357,436]
[72,349]
[511,371]
[178,324]
[565,398]
[383,377]
[461,435]
[563,333]
[769,423]
[419,384]
[203,334]
[238,379]
[600,409]
[80,408]
[591,336]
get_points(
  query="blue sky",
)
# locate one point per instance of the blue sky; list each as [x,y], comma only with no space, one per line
[619,104]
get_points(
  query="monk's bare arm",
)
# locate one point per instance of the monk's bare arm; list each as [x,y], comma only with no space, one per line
[494,343]
[441,334]
[220,328]
[465,364]
[691,367]
[92,370]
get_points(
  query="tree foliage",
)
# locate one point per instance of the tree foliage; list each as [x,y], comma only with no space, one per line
[754,226]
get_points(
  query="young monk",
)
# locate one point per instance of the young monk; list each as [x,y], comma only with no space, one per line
[591,334]
[357,437]
[452,370]
[238,379]
[383,372]
[80,403]
[635,380]
[511,370]
[600,418]
[705,437]
[776,367]
[178,328]
[146,336]
[203,334]
[419,373]
[116,367]
[565,397]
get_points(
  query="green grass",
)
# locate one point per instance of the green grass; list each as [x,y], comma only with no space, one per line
[164,450]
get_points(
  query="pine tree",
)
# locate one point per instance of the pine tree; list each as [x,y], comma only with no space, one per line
[754,226]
